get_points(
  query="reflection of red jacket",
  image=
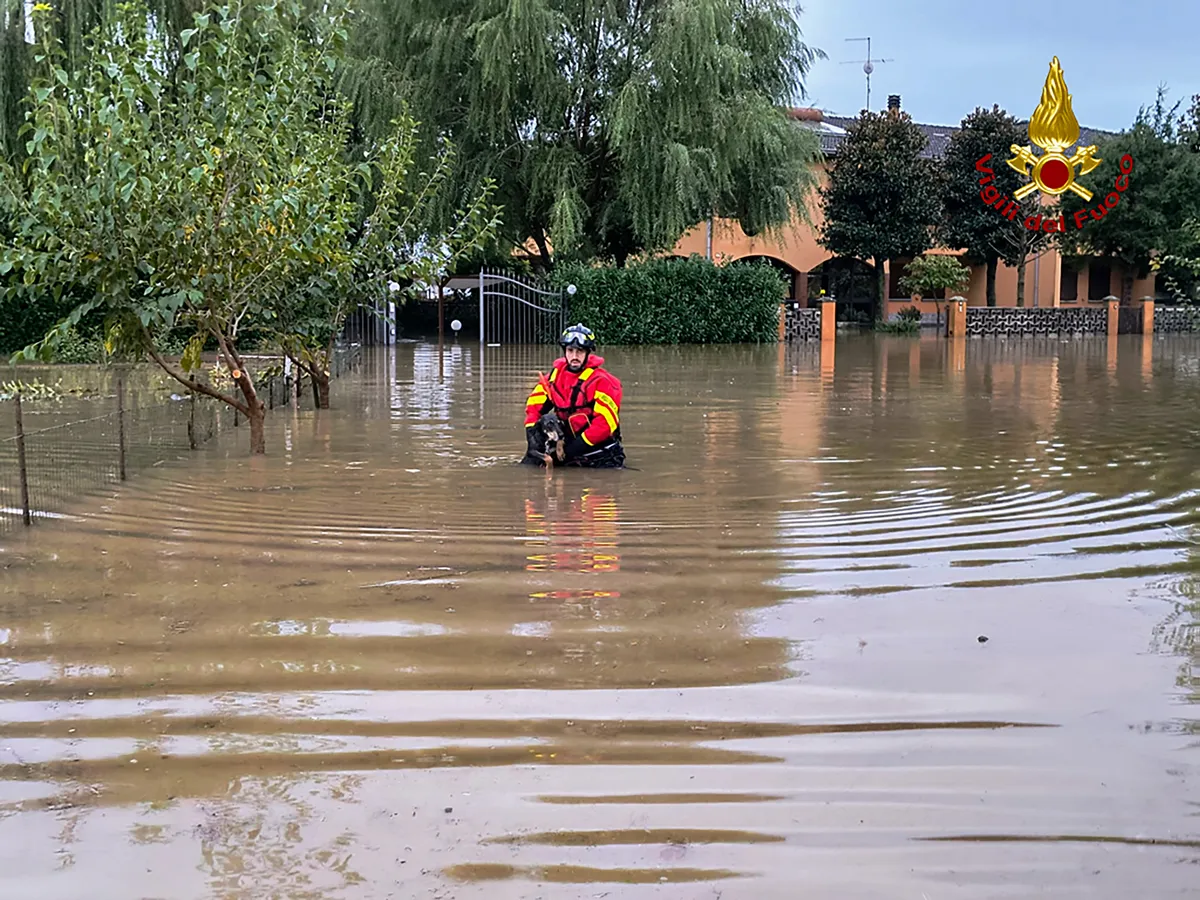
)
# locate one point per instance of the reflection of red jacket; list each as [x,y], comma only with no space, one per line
[589,402]
[583,540]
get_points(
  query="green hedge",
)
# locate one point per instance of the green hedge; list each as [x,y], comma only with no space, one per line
[676,301]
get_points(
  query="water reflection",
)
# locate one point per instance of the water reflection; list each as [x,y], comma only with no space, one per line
[581,538]
[927,608]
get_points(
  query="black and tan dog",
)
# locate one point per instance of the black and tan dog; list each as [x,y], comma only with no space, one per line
[549,443]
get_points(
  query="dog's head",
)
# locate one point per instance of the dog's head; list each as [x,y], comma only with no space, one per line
[555,435]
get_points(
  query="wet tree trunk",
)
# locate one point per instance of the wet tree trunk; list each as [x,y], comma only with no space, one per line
[992,262]
[1021,282]
[256,415]
[321,382]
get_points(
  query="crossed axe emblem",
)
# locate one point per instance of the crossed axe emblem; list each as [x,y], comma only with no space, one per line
[1023,158]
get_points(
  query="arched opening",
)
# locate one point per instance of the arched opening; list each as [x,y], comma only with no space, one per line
[851,282]
[790,276]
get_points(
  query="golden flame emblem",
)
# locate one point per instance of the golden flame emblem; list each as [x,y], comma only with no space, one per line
[1054,128]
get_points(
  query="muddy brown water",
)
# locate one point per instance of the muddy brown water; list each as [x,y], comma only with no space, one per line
[385,661]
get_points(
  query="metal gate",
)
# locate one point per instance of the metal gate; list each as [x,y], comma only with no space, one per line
[517,310]
[371,325]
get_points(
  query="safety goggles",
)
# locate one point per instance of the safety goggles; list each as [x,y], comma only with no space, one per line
[575,339]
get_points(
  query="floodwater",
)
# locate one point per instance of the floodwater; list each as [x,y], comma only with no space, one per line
[917,621]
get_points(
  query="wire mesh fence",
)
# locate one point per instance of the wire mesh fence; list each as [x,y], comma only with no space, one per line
[59,451]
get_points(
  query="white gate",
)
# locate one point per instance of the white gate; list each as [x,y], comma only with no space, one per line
[519,310]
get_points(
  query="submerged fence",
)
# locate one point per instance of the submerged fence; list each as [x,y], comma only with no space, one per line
[56,453]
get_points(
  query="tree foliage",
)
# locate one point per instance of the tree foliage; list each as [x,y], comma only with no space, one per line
[69,28]
[1179,272]
[882,199]
[402,241]
[610,127]
[969,224]
[183,193]
[930,273]
[1163,193]
[211,189]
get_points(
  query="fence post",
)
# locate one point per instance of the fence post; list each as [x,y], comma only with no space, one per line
[192,415]
[121,422]
[21,468]
[1113,315]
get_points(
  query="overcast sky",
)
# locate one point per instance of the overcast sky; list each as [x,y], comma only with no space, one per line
[949,56]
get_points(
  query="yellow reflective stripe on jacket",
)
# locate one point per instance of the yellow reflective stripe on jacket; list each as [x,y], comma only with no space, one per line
[608,417]
[586,374]
[607,407]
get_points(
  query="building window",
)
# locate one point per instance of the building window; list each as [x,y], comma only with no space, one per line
[1099,280]
[1068,285]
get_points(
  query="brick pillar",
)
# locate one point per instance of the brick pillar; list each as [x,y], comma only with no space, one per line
[783,322]
[956,317]
[828,319]
[1114,311]
[1147,315]
[802,289]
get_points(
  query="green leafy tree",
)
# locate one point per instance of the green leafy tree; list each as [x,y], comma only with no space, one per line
[185,194]
[931,273]
[1179,273]
[1162,195]
[402,241]
[969,224]
[882,199]
[610,128]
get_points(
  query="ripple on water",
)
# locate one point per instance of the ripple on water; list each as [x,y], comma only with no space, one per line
[901,626]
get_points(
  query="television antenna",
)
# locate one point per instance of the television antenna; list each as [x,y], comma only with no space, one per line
[868,65]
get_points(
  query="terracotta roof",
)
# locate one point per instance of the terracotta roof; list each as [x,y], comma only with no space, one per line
[937,135]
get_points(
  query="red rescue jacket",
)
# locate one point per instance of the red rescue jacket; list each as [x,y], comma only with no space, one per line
[589,402]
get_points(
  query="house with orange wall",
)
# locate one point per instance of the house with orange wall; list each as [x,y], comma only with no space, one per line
[808,267]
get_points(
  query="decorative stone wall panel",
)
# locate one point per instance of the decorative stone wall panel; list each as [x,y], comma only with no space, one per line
[1010,320]
[802,324]
[1176,319]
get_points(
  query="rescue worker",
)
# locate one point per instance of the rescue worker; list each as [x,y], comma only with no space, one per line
[587,400]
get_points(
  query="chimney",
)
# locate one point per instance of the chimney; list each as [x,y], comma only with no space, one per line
[894,102]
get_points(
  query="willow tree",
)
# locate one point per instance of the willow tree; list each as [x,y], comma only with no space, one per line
[609,127]
[73,22]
